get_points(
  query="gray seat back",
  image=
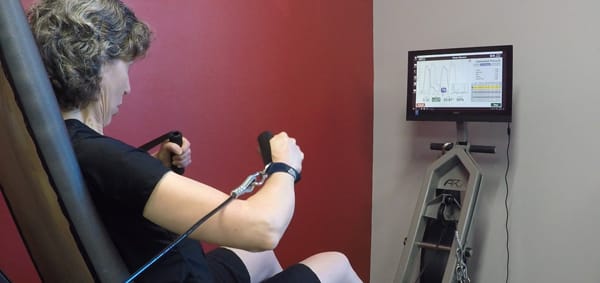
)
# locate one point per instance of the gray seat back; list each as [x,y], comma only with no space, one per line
[39,175]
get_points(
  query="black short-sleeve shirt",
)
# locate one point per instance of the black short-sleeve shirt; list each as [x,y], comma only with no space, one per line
[120,179]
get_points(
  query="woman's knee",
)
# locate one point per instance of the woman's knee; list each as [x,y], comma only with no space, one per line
[331,267]
[260,265]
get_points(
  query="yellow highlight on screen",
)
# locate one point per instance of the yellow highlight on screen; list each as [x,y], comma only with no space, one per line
[486,87]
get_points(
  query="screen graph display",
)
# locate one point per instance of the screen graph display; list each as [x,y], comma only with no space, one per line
[460,84]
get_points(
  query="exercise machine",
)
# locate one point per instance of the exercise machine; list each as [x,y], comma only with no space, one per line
[436,247]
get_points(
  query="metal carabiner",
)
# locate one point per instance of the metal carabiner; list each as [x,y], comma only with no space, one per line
[253,180]
[246,187]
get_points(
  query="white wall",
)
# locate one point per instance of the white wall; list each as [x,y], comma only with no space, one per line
[554,174]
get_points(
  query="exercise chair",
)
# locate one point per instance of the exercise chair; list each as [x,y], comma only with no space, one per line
[39,175]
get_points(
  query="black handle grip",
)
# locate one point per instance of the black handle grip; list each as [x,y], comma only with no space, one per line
[177,138]
[482,148]
[265,146]
[440,146]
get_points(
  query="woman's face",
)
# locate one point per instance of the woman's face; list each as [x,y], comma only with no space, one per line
[114,85]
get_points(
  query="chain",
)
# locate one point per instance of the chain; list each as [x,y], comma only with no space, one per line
[462,274]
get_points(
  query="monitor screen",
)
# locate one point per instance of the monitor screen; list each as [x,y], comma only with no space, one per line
[460,84]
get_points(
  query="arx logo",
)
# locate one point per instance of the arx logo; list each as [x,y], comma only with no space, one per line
[454,183]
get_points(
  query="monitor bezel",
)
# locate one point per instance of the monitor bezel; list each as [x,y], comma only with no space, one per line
[463,114]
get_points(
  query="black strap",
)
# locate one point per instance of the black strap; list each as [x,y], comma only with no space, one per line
[282,167]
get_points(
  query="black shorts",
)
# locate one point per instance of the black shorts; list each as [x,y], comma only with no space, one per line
[227,267]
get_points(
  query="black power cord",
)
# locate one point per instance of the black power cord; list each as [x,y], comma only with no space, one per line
[506,201]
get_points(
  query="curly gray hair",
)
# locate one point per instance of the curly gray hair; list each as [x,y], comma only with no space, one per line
[76,37]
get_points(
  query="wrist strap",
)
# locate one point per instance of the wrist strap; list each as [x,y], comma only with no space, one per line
[282,167]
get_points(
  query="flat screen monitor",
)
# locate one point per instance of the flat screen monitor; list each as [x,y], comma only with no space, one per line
[460,84]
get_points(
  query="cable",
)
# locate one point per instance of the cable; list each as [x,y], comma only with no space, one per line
[506,201]
[256,179]
[179,239]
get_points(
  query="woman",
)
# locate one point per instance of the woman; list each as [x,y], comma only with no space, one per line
[87,47]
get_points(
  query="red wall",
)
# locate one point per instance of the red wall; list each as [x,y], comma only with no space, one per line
[15,262]
[223,71]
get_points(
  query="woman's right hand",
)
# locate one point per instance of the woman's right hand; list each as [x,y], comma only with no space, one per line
[284,149]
